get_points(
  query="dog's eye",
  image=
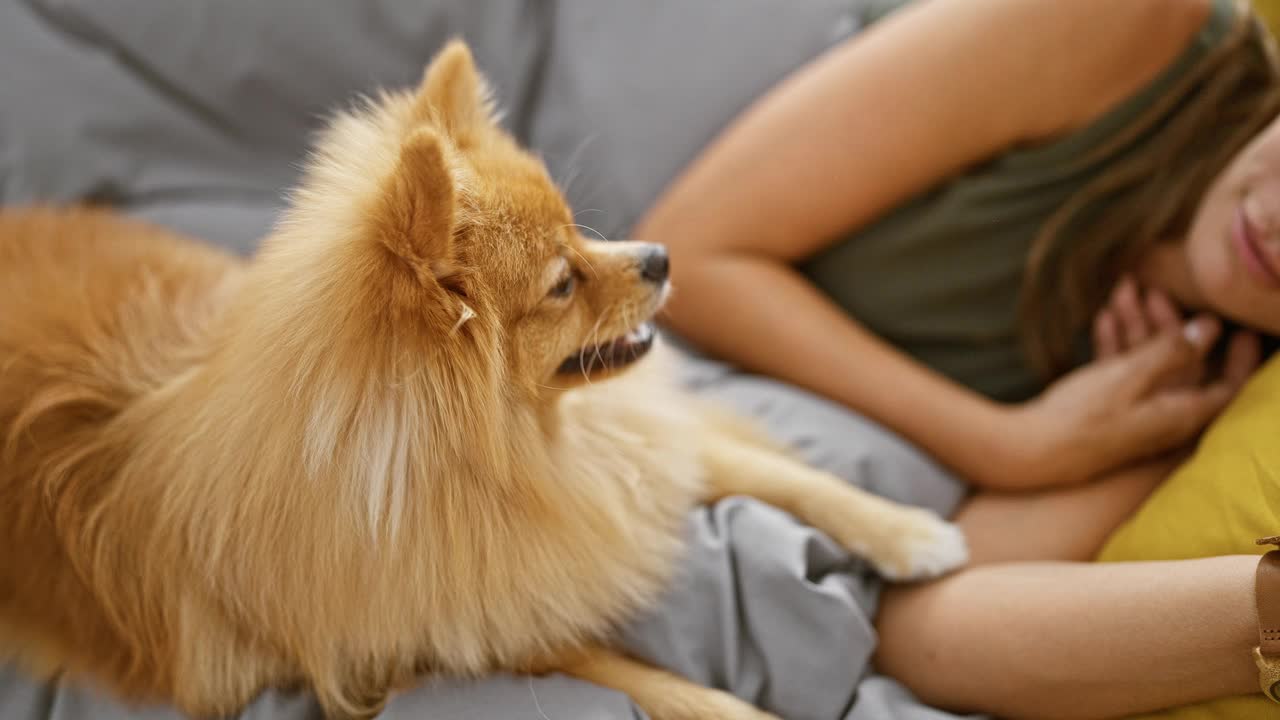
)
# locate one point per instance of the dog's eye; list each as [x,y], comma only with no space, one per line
[564,288]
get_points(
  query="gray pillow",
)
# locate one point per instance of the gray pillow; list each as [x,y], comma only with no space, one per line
[196,113]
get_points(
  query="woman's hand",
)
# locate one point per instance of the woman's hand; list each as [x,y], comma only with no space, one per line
[1133,316]
[1147,392]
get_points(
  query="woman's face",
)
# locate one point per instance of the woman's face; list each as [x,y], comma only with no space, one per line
[1233,248]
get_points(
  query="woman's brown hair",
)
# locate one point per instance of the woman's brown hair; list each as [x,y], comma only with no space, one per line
[1149,195]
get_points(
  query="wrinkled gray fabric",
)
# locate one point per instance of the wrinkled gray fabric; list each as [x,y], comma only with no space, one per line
[196,114]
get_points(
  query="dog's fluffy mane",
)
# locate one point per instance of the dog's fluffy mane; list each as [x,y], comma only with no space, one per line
[302,468]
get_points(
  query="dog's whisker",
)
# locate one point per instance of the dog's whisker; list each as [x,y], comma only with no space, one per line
[593,339]
[572,174]
[589,229]
[597,360]
[586,261]
[572,166]
[628,315]
[537,705]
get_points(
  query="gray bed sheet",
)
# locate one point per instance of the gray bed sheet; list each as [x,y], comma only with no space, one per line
[196,114]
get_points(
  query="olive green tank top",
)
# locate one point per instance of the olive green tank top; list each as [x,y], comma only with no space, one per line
[940,277]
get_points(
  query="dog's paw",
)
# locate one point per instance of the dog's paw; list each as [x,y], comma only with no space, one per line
[915,544]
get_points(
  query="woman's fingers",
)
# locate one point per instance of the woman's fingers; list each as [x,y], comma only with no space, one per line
[1244,354]
[1170,354]
[1165,317]
[1156,368]
[1127,305]
[1161,312]
[1170,417]
[1131,317]
[1106,335]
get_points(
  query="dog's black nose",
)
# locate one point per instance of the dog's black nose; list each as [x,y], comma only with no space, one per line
[654,266]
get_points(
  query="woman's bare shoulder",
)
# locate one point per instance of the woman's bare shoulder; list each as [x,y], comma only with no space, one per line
[1097,53]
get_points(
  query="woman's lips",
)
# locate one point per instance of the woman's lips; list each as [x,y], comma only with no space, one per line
[1257,261]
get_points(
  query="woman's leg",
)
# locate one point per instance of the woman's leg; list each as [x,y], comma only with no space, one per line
[1070,640]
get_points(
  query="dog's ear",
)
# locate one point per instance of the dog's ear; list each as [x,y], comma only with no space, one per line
[417,218]
[453,94]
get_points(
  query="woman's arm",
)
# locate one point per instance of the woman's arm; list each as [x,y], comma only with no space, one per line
[1063,524]
[929,91]
[1042,638]
[1075,640]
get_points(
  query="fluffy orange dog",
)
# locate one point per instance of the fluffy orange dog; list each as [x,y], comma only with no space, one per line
[382,449]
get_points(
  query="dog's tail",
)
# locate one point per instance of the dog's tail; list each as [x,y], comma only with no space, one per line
[98,310]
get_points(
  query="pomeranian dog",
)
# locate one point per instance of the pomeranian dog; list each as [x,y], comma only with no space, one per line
[411,437]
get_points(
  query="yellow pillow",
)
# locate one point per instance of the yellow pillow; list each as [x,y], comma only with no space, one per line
[1269,11]
[1217,503]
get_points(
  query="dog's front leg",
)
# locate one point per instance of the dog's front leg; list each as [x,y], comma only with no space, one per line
[661,694]
[903,543]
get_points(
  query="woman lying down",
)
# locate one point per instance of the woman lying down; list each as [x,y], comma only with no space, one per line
[1023,254]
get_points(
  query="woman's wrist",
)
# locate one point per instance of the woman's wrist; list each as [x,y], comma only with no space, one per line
[1019,450]
[1041,446]
[1032,447]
